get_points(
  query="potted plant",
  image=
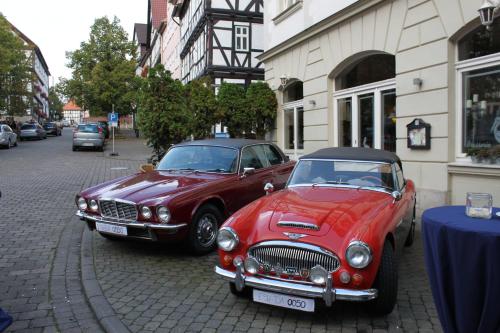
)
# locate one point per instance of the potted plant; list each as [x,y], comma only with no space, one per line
[483,155]
[473,153]
[494,153]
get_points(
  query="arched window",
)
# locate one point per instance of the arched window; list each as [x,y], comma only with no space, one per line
[293,111]
[478,75]
[365,103]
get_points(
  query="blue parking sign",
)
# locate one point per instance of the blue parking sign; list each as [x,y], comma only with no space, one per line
[113,119]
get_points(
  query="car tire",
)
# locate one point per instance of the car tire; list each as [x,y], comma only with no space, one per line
[9,144]
[74,148]
[204,228]
[386,283]
[411,234]
[246,292]
[15,144]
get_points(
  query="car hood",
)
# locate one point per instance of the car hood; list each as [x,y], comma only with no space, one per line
[150,186]
[338,214]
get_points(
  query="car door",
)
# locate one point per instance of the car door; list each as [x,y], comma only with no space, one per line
[402,208]
[281,168]
[252,185]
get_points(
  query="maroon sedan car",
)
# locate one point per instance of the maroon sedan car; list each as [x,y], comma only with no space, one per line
[194,188]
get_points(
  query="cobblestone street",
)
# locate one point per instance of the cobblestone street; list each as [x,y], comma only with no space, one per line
[57,276]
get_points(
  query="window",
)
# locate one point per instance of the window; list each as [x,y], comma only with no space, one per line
[273,155]
[241,38]
[285,4]
[254,157]
[399,176]
[294,128]
[478,113]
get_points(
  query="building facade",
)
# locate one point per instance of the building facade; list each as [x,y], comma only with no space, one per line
[73,113]
[170,38]
[39,85]
[374,72]
[221,39]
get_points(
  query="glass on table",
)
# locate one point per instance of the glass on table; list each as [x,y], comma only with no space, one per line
[479,205]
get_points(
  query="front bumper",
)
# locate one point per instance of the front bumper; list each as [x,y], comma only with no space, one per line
[327,293]
[135,229]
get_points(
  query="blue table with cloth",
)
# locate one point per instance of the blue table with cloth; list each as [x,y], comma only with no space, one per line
[462,258]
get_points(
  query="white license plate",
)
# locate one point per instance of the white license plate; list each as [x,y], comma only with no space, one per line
[88,144]
[285,301]
[111,228]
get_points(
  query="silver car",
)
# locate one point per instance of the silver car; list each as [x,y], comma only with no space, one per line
[88,136]
[32,131]
[7,137]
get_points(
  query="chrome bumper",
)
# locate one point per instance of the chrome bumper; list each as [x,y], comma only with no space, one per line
[327,293]
[133,224]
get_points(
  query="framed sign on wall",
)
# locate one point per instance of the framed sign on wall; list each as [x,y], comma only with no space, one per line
[419,134]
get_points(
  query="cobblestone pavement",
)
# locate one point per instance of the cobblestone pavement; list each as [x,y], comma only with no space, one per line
[49,262]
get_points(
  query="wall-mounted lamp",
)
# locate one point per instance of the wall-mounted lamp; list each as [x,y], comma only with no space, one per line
[418,82]
[284,80]
[487,12]
[312,102]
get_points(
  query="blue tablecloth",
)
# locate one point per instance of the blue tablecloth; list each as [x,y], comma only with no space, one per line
[5,320]
[462,258]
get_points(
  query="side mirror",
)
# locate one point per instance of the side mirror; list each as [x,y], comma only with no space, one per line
[146,168]
[396,195]
[287,158]
[269,188]
[247,171]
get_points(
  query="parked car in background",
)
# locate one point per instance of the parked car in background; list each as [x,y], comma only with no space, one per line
[194,188]
[88,136]
[105,127]
[7,137]
[52,129]
[32,131]
[65,123]
[334,233]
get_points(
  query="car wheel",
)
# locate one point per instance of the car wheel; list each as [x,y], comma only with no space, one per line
[15,144]
[246,292]
[74,148]
[411,234]
[386,283]
[9,144]
[110,237]
[204,227]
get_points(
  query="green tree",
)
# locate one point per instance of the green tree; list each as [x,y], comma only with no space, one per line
[103,70]
[262,106]
[202,106]
[15,72]
[162,114]
[55,102]
[232,105]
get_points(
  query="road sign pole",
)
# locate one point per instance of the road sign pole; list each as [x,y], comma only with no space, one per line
[113,121]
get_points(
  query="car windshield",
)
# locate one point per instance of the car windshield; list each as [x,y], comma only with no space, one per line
[28,127]
[88,128]
[200,158]
[338,172]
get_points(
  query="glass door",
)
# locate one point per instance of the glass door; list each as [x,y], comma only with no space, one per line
[389,120]
[365,123]
[345,122]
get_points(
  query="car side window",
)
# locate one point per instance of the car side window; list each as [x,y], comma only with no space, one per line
[7,129]
[254,157]
[399,176]
[273,156]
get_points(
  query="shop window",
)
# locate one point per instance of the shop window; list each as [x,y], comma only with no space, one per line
[377,67]
[294,128]
[480,42]
[294,92]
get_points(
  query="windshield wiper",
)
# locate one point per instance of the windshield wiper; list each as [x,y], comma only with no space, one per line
[329,182]
[216,170]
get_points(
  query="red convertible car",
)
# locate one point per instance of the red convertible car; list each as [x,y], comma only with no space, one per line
[193,189]
[333,233]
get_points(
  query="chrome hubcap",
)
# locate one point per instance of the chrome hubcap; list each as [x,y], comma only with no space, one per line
[207,230]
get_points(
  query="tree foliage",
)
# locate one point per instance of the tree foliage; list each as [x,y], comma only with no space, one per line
[103,70]
[162,114]
[262,107]
[232,106]
[202,107]
[15,72]
[55,102]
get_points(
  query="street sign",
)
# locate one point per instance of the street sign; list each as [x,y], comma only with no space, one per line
[220,135]
[113,119]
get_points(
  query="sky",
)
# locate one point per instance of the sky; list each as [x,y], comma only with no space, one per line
[57,26]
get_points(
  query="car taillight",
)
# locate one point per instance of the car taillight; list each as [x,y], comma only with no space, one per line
[100,130]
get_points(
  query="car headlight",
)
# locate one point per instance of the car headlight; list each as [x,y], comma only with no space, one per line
[252,265]
[82,203]
[163,214]
[358,254]
[227,239]
[318,275]
[146,212]
[93,205]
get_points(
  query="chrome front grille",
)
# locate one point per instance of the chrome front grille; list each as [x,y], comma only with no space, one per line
[293,259]
[118,210]
[298,225]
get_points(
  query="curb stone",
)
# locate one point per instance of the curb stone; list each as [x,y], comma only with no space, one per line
[98,302]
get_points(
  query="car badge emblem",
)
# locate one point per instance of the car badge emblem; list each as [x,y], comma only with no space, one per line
[278,270]
[294,236]
[304,272]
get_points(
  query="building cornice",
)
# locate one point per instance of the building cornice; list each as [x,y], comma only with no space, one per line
[320,27]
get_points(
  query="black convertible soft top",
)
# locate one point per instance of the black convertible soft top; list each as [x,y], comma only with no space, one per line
[230,143]
[354,153]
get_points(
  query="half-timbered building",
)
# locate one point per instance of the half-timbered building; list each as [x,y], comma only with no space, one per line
[221,39]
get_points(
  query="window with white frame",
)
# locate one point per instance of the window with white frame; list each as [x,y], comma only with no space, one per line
[293,109]
[285,4]
[241,37]
[478,90]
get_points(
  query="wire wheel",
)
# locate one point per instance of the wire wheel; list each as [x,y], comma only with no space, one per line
[206,232]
